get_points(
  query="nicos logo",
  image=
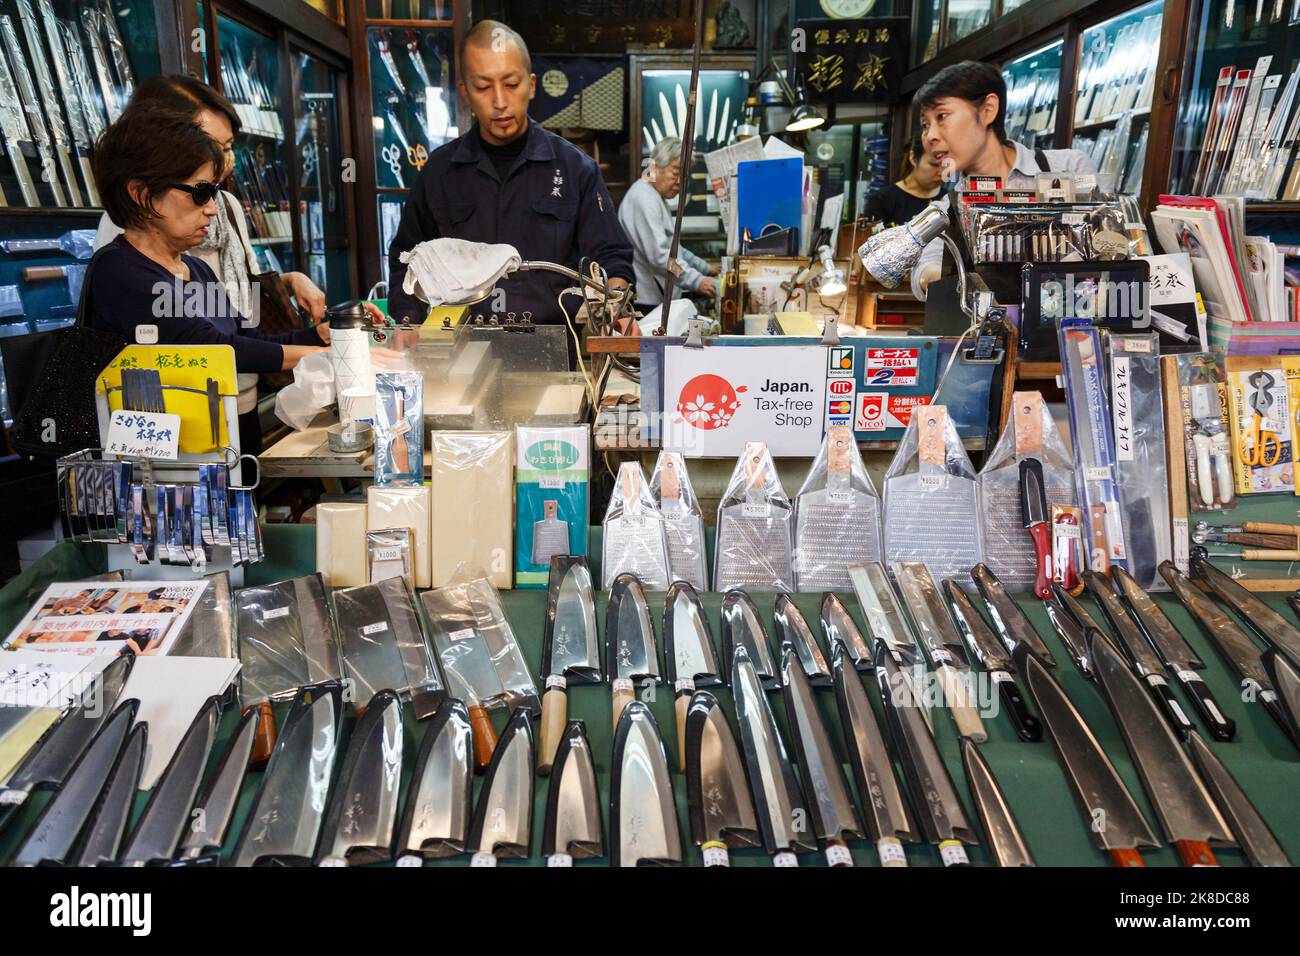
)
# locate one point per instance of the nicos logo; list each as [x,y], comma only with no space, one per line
[708,402]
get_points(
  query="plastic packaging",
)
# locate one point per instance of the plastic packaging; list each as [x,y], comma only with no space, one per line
[286,639]
[1261,423]
[1138,407]
[836,516]
[472,497]
[209,631]
[755,524]
[1042,232]
[633,537]
[399,428]
[310,393]
[932,511]
[383,644]
[683,520]
[404,507]
[471,600]
[341,543]
[1008,547]
[1210,485]
[551,476]
[388,554]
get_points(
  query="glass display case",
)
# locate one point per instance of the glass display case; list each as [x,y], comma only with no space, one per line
[927,17]
[408,9]
[1112,103]
[413,99]
[322,212]
[1033,90]
[964,17]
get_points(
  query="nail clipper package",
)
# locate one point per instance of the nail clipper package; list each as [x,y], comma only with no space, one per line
[399,428]
[552,466]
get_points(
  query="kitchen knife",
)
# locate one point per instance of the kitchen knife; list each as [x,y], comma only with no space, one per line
[503,819]
[285,816]
[52,837]
[940,814]
[883,805]
[216,808]
[778,801]
[573,825]
[1183,805]
[643,828]
[362,813]
[436,818]
[885,622]
[1011,623]
[995,660]
[64,144]
[688,653]
[1257,842]
[471,675]
[742,627]
[792,629]
[942,645]
[1286,681]
[630,651]
[838,626]
[1069,619]
[721,809]
[78,243]
[32,107]
[1271,626]
[826,792]
[1109,812]
[116,802]
[13,124]
[1178,658]
[1142,658]
[158,833]
[1006,843]
[1238,651]
[1034,515]
[48,763]
[569,648]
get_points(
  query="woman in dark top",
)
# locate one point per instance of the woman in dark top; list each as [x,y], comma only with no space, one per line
[898,202]
[156,172]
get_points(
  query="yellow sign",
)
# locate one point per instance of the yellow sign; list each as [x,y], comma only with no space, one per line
[184,371]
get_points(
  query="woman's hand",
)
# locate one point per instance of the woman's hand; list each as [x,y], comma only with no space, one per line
[309,295]
[713,271]
[708,286]
[376,319]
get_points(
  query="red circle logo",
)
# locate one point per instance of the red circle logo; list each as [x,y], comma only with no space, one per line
[841,387]
[708,402]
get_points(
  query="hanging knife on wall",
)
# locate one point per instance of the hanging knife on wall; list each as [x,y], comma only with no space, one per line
[45,147]
[80,138]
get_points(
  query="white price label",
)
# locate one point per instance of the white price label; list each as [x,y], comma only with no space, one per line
[388,554]
[12,798]
[1072,219]
[891,853]
[623,684]
[941,656]
[334,861]
[143,434]
[685,685]
[559,859]
[275,613]
[556,682]
[934,482]
[1156,680]
[838,855]
[1182,544]
[1136,344]
[483,859]
[840,497]
[785,860]
[462,634]
[1002,677]
[757,509]
[1186,676]
[375,628]
[1070,531]
[550,482]
[146,334]
[410,860]
[677,515]
[953,853]
[716,856]
[1097,473]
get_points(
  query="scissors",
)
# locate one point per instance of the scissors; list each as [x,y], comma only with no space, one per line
[417,156]
[1261,440]
[392,155]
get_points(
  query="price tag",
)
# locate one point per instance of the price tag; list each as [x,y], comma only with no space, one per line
[388,554]
[1097,473]
[12,798]
[409,859]
[559,859]
[838,855]
[891,853]
[483,859]
[1072,219]
[941,656]
[685,686]
[757,509]
[333,861]
[556,682]
[953,853]
[276,613]
[716,856]
[840,497]
[1157,680]
[463,634]
[1069,531]
[550,481]
[785,860]
[146,334]
[1002,677]
[375,628]
[934,482]
[677,515]
[1136,345]
[143,434]
[623,684]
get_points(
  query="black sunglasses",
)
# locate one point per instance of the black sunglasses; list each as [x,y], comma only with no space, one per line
[202,192]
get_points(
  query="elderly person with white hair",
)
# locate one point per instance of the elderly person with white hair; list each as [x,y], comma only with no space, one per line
[646,219]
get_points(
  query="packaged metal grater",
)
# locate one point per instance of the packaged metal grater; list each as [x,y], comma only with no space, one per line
[683,520]
[633,540]
[836,516]
[754,544]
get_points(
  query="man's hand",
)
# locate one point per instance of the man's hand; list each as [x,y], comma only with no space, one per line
[309,294]
[714,271]
[708,286]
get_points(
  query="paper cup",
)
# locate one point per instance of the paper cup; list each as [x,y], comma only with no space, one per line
[357,404]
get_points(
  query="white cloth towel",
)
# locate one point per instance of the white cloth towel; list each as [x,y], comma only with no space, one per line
[456,271]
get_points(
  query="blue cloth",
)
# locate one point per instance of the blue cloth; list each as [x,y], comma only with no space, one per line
[552,205]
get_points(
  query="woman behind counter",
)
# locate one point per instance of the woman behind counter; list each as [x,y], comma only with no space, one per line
[898,202]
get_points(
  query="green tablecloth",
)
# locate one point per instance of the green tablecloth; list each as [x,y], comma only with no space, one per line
[1262,759]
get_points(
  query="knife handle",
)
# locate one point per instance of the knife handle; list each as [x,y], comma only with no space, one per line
[958,703]
[485,738]
[1221,728]
[1195,853]
[1026,724]
[555,716]
[1042,559]
[683,704]
[624,692]
[1164,695]
[1127,858]
[264,739]
[891,852]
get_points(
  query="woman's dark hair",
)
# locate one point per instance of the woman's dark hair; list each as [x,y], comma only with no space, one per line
[911,156]
[971,81]
[154,146]
[182,94]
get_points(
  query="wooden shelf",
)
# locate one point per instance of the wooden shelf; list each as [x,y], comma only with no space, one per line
[1034,371]
[1285,207]
[428,24]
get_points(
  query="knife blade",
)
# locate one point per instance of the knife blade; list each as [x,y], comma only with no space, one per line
[1286,682]
[1011,623]
[116,801]
[838,626]
[721,809]
[157,835]
[1182,804]
[880,798]
[569,648]
[1034,516]
[1109,811]
[55,831]
[285,817]
[436,818]
[215,810]
[573,826]
[1237,650]
[1257,841]
[940,814]
[941,644]
[994,659]
[642,813]
[826,792]
[1271,627]
[362,813]
[688,653]
[50,761]
[742,627]
[1069,619]
[503,818]
[1142,659]
[1006,843]
[1178,658]
[792,629]
[630,651]
[886,622]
